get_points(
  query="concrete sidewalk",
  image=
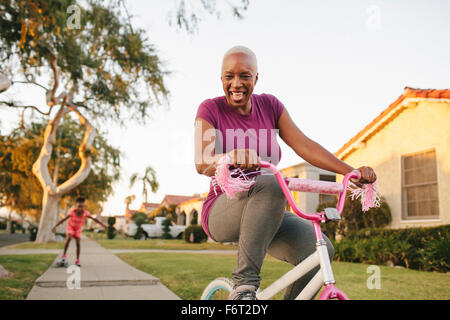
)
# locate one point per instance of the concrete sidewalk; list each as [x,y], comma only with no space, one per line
[103,277]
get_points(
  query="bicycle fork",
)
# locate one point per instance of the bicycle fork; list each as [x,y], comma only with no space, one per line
[330,291]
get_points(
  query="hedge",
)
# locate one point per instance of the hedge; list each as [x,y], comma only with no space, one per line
[425,249]
[198,233]
[354,219]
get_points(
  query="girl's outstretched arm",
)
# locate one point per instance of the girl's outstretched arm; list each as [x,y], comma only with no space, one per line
[54,228]
[98,221]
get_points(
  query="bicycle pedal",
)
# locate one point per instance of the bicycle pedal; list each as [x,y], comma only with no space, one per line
[332,214]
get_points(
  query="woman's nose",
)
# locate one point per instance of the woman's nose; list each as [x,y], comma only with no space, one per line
[236,82]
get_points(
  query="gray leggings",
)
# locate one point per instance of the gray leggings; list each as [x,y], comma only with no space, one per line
[259,221]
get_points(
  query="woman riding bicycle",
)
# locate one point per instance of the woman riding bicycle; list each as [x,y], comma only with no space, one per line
[243,126]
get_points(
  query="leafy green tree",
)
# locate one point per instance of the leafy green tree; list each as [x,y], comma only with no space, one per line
[188,14]
[19,188]
[89,61]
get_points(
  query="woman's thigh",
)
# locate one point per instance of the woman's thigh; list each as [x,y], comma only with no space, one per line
[225,217]
[295,240]
[263,204]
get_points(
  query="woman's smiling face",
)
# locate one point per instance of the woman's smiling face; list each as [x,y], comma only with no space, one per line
[239,76]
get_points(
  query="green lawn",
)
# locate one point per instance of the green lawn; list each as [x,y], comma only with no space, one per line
[122,243]
[188,274]
[32,245]
[26,269]
[172,244]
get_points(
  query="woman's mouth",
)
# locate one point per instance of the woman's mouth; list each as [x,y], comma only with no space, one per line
[237,96]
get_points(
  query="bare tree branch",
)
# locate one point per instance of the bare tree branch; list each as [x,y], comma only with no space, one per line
[51,99]
[13,105]
[31,82]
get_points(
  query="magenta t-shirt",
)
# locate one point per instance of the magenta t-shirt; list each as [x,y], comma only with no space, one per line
[257,130]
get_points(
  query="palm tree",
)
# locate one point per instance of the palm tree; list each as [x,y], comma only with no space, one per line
[148,179]
[129,200]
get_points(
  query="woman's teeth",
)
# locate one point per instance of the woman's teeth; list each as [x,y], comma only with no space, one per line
[237,95]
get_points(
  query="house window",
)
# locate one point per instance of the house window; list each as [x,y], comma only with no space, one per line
[420,187]
[327,198]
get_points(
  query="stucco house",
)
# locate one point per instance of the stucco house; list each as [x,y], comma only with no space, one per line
[190,209]
[408,146]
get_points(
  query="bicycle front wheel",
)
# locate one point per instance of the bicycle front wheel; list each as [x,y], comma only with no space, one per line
[218,289]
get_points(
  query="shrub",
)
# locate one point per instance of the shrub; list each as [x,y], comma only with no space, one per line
[435,255]
[139,215]
[111,231]
[166,228]
[416,248]
[33,232]
[354,219]
[139,221]
[198,234]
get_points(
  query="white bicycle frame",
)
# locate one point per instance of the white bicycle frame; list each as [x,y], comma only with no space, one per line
[323,276]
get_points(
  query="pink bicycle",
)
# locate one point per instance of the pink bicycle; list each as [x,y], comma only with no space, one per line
[222,287]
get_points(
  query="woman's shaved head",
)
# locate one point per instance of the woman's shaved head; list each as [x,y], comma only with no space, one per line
[241,50]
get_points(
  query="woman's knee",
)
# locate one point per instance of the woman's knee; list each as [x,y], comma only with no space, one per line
[269,184]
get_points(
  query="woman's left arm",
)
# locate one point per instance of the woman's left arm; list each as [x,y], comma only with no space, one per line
[314,153]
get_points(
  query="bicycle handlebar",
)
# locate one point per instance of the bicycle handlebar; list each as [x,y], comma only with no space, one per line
[313,216]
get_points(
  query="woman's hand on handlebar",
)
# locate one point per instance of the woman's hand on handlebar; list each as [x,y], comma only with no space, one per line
[246,159]
[367,176]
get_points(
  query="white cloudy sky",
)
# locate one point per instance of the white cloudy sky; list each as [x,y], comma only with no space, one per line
[334,65]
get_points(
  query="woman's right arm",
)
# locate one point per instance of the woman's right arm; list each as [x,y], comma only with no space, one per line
[205,158]
[204,142]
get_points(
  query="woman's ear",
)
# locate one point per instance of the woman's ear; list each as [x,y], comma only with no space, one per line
[256,78]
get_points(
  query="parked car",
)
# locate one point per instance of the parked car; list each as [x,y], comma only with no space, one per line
[155,230]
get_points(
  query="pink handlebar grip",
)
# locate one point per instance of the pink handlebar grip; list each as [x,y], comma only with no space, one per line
[315,186]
